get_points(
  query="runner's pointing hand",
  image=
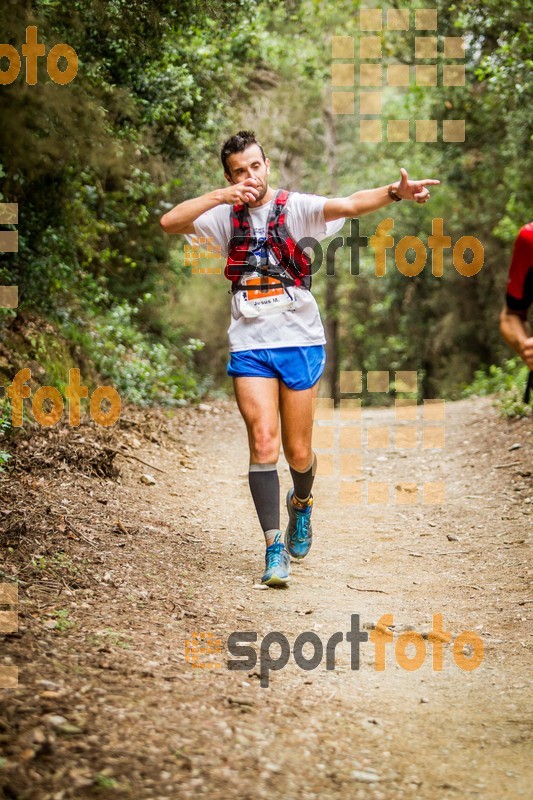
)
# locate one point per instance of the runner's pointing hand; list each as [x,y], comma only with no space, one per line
[413,190]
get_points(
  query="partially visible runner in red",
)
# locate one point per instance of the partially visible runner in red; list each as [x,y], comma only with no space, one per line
[514,325]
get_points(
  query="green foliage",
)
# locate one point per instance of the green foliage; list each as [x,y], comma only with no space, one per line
[63,623]
[96,167]
[95,163]
[508,382]
[143,370]
[56,565]
[105,782]
[5,430]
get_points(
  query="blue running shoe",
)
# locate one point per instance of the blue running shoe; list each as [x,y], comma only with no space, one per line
[278,563]
[299,533]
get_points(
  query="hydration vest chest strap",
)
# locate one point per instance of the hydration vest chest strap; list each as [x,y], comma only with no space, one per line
[293,267]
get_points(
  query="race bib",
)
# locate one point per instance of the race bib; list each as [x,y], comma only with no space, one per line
[270,299]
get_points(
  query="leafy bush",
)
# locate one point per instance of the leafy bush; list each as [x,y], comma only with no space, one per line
[508,382]
[143,370]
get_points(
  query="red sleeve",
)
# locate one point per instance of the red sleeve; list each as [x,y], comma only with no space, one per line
[519,285]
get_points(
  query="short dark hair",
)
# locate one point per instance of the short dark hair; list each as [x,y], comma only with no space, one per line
[237,144]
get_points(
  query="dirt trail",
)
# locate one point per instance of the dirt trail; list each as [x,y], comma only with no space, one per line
[145,724]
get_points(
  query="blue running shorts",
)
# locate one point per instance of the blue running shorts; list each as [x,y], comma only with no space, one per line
[298,367]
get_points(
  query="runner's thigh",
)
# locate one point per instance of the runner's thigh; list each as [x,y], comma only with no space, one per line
[297,410]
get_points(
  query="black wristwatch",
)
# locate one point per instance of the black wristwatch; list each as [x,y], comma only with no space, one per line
[393,193]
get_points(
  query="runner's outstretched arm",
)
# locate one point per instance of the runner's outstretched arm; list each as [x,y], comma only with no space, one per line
[180,219]
[368,200]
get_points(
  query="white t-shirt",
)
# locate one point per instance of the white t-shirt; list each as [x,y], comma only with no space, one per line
[295,327]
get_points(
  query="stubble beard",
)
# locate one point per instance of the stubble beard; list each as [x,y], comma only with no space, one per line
[261,195]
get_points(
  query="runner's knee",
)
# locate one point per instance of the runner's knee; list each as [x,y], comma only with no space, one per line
[299,457]
[264,445]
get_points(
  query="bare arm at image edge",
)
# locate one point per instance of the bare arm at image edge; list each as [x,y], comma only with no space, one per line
[517,333]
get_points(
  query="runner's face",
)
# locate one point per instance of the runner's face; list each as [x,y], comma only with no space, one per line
[250,164]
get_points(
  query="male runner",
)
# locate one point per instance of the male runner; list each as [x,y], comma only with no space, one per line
[276,336]
[514,326]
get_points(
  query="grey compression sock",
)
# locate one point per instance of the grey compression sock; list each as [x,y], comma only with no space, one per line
[264,486]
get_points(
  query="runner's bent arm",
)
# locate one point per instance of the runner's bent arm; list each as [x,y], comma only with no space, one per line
[517,333]
[368,200]
[181,218]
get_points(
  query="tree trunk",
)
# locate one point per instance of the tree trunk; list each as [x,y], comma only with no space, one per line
[331,372]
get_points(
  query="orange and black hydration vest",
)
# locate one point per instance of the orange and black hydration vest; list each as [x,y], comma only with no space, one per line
[293,265]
